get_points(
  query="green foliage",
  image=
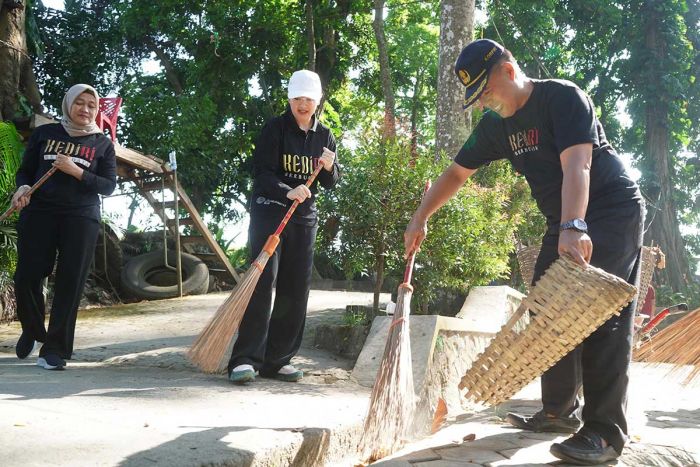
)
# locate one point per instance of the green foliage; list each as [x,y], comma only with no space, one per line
[355,318]
[221,73]
[238,257]
[666,296]
[11,149]
[469,238]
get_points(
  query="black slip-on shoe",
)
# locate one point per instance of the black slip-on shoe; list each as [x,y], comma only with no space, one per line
[51,362]
[541,422]
[25,346]
[584,448]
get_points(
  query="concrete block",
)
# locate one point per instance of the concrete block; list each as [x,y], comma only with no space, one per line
[488,308]
[424,331]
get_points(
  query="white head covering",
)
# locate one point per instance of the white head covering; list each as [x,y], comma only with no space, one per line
[72,128]
[305,83]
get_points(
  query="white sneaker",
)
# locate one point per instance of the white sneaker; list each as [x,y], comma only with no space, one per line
[242,374]
[289,373]
[287,370]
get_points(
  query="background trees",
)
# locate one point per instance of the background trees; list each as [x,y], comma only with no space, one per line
[201,77]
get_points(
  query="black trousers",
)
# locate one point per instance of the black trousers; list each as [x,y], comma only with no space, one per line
[601,362]
[269,337]
[45,239]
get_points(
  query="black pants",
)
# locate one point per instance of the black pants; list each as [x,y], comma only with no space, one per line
[41,237]
[269,338]
[601,362]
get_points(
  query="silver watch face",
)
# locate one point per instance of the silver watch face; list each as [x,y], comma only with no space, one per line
[579,224]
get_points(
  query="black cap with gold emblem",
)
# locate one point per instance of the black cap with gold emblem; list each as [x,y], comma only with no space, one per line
[473,65]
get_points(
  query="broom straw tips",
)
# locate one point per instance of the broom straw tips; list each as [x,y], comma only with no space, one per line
[208,352]
[677,344]
[389,419]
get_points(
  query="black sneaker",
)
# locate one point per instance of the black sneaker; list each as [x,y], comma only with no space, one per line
[51,362]
[541,422]
[584,448]
[25,346]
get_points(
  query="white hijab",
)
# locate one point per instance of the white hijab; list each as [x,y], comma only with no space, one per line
[72,128]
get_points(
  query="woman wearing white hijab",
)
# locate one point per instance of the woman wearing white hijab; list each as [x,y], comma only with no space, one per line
[58,226]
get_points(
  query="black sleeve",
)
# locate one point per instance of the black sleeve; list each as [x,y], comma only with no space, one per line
[325,178]
[480,148]
[266,160]
[104,180]
[26,175]
[573,118]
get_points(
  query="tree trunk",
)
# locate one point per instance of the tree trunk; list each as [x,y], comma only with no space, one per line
[664,229]
[415,102]
[379,267]
[453,124]
[310,35]
[389,129]
[171,72]
[327,53]
[13,54]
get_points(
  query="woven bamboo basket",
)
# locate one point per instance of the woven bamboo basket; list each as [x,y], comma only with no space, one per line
[569,302]
[527,257]
[652,257]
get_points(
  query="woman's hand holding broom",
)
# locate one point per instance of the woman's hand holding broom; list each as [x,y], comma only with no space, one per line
[23,195]
[21,198]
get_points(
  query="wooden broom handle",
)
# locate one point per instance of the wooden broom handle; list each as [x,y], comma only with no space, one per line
[274,239]
[34,187]
[408,272]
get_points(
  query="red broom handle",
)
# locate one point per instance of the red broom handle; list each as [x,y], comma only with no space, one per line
[274,239]
[408,272]
[654,321]
[34,187]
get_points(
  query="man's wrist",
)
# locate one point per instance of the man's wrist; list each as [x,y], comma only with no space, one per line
[577,225]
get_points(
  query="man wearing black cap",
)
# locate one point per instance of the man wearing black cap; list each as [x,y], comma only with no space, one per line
[549,132]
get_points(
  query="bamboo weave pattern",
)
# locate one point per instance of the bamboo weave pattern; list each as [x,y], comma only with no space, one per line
[569,303]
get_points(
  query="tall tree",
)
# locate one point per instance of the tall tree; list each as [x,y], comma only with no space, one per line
[662,91]
[389,127]
[17,82]
[452,122]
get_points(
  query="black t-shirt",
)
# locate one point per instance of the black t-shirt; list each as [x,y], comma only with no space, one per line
[284,158]
[557,115]
[63,193]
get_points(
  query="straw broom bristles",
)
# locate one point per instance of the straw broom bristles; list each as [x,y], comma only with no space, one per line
[208,351]
[389,421]
[392,403]
[678,344]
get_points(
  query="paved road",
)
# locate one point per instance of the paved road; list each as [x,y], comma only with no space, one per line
[130,398]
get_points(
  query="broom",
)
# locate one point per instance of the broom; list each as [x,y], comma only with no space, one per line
[678,344]
[208,351]
[34,187]
[393,401]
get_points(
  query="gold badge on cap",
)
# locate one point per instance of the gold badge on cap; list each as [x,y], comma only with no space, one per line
[464,76]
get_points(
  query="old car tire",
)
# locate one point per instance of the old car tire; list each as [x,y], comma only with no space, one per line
[146,277]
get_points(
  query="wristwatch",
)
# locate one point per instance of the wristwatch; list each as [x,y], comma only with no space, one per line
[579,225]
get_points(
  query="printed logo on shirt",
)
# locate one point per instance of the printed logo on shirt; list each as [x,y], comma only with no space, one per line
[267,201]
[78,153]
[296,166]
[522,142]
